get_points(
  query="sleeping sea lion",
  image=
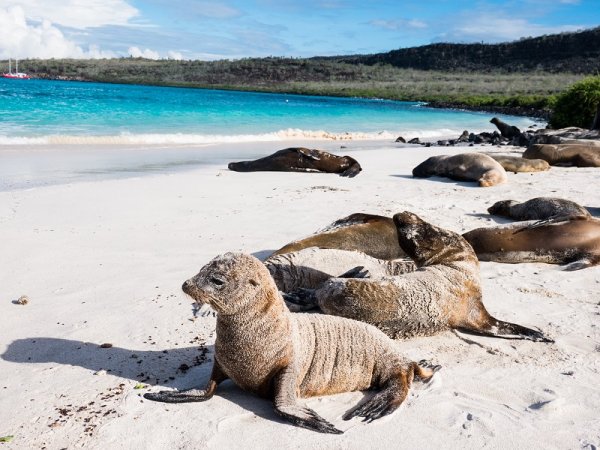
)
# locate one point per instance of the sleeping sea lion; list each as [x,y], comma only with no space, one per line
[464,166]
[539,208]
[572,242]
[517,164]
[266,350]
[368,233]
[300,159]
[565,154]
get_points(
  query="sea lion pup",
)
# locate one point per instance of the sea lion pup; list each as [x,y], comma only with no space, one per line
[444,293]
[464,166]
[300,159]
[368,233]
[572,242]
[311,267]
[540,208]
[265,349]
[519,164]
[565,154]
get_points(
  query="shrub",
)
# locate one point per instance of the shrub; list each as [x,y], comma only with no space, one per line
[577,106]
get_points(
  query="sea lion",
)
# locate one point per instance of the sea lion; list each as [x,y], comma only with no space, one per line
[368,233]
[444,293]
[572,242]
[464,166]
[540,208]
[265,349]
[311,267]
[300,159]
[506,130]
[565,154]
[519,164]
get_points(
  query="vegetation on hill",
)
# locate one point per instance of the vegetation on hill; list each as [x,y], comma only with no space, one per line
[578,105]
[519,77]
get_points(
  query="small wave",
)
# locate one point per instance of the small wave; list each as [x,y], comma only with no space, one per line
[184,138]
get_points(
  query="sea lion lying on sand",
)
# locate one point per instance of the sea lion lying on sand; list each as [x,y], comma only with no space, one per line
[572,242]
[311,267]
[265,349]
[519,164]
[464,166]
[540,208]
[368,233]
[565,154]
[443,293]
[300,159]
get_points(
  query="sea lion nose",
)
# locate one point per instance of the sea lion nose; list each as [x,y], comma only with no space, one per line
[187,286]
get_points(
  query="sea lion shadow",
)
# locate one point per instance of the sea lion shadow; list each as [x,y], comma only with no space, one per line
[173,367]
[446,180]
[262,254]
[500,220]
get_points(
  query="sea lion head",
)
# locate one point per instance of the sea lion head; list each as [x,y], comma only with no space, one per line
[350,167]
[426,168]
[427,244]
[228,283]
[502,208]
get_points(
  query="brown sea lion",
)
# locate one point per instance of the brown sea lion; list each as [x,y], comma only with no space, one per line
[443,293]
[565,154]
[519,164]
[311,267]
[265,349]
[368,233]
[572,242]
[300,159]
[506,130]
[540,208]
[464,166]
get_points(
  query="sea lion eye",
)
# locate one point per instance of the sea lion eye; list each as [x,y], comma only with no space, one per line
[217,281]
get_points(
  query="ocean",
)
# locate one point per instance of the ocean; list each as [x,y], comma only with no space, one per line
[68,112]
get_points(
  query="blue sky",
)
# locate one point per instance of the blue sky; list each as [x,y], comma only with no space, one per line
[234,29]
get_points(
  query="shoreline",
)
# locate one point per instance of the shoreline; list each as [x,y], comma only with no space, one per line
[103,261]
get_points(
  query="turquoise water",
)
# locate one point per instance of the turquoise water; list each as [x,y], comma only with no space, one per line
[43,111]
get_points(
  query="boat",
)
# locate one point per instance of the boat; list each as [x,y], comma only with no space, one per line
[16,74]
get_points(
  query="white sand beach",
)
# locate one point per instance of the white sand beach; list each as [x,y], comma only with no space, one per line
[102,260]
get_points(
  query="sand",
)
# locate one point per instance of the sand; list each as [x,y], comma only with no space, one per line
[102,259]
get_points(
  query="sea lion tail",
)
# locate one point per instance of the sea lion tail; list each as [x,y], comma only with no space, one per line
[507,330]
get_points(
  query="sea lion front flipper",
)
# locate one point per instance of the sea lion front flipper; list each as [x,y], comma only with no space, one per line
[507,330]
[384,402]
[351,171]
[286,405]
[191,395]
[300,300]
[308,153]
[583,263]
[551,221]
[356,272]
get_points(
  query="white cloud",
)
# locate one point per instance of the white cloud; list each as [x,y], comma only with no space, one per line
[398,24]
[492,28]
[75,13]
[18,39]
[146,53]
[174,55]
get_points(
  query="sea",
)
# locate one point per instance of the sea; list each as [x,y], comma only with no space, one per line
[70,112]
[55,132]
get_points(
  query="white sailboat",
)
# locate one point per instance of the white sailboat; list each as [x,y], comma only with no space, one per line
[16,74]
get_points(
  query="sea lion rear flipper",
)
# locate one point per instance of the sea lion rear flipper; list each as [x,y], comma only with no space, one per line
[286,405]
[507,330]
[300,300]
[356,272]
[583,263]
[552,220]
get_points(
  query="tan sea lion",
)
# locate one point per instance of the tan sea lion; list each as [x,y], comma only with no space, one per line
[540,208]
[464,166]
[519,164]
[265,349]
[572,242]
[311,267]
[443,293]
[300,159]
[565,154]
[368,233]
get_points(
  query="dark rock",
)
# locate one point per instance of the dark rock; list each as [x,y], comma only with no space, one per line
[414,141]
[400,139]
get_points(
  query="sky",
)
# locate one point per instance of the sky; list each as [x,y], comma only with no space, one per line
[232,29]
